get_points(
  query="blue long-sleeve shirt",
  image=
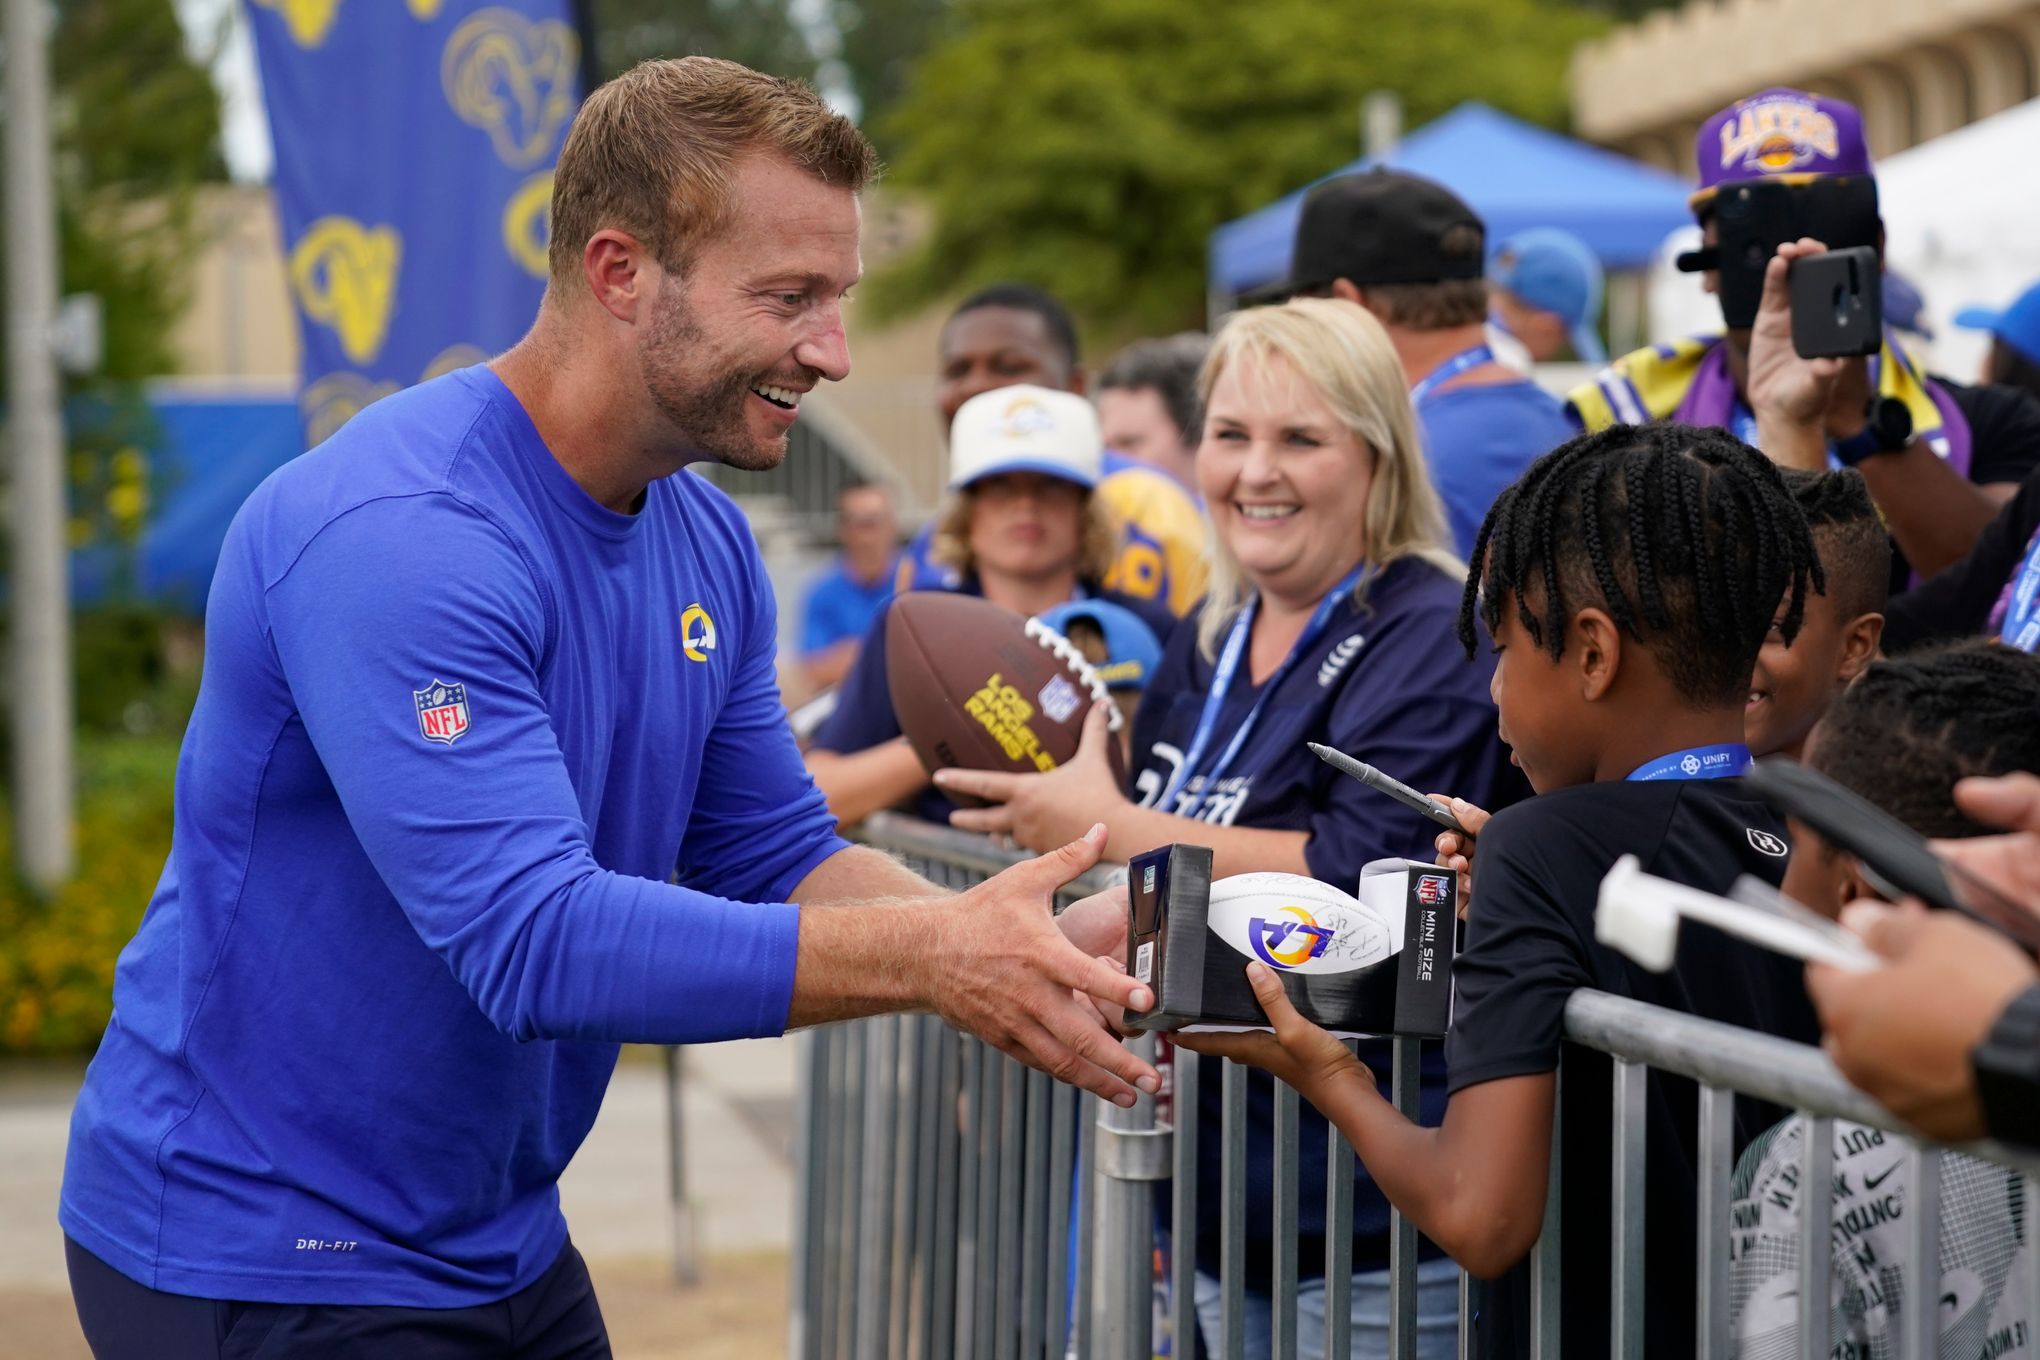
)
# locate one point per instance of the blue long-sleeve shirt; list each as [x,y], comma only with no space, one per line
[458,725]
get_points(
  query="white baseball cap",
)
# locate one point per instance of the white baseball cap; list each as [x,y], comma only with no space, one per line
[1026,429]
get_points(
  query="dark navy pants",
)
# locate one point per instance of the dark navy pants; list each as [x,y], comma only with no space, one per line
[554,1318]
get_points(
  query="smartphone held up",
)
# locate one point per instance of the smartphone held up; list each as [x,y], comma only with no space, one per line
[1837,304]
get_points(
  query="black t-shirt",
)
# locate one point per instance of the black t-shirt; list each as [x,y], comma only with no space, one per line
[1530,944]
[2004,444]
[1963,599]
[2004,429]
[1388,682]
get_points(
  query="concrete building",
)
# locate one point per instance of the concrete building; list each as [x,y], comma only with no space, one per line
[1916,71]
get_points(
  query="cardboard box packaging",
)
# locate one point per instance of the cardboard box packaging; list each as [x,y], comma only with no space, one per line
[1198,968]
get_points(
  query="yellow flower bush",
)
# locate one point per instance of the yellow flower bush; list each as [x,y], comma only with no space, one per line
[57,954]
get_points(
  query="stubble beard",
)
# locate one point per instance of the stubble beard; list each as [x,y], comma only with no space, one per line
[706,415]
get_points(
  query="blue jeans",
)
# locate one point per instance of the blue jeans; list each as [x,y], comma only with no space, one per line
[1437,1315]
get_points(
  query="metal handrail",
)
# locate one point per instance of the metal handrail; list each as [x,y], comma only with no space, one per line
[900,834]
[937,1181]
[1761,1065]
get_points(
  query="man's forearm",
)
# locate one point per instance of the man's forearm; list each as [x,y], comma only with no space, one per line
[860,959]
[859,875]
[1935,514]
[864,921]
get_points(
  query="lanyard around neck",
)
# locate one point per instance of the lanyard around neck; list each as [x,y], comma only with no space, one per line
[1222,677]
[1725,761]
[1450,369]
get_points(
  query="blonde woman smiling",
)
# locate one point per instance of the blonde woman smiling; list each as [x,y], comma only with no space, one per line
[1331,614]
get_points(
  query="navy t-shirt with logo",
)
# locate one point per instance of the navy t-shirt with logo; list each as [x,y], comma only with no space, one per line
[1530,945]
[1389,683]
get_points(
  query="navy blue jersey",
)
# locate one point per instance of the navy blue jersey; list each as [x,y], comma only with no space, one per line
[1388,682]
[864,718]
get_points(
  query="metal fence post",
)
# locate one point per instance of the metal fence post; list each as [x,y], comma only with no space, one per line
[1405,1087]
[1816,1248]
[1921,1289]
[1717,1113]
[1339,1241]
[1132,1154]
[1625,1315]
[1232,1214]
[1282,1293]
[1183,1207]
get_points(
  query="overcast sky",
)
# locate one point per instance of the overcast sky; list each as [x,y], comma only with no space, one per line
[245,128]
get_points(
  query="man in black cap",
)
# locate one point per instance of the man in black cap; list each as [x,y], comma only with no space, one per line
[1409,251]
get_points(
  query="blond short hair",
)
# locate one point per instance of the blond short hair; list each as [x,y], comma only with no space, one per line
[1097,544]
[651,152]
[1345,356]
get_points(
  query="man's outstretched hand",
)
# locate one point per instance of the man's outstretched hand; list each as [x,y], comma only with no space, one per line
[1004,971]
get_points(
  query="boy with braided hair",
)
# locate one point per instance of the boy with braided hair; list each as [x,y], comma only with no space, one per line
[1795,681]
[1628,580]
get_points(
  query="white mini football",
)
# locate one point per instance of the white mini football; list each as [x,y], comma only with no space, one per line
[1297,924]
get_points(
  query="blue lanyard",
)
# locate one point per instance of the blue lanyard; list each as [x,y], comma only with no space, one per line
[2022,611]
[1450,369]
[1221,682]
[1700,762]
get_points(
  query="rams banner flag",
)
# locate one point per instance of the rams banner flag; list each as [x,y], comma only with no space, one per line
[415,144]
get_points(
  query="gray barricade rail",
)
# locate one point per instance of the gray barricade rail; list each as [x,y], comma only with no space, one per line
[939,1212]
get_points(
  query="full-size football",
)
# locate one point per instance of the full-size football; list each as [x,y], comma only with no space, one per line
[978,687]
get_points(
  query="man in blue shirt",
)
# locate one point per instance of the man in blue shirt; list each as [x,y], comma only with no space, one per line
[480,673]
[845,598]
[1409,251]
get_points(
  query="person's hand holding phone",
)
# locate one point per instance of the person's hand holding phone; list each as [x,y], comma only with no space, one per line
[1790,396]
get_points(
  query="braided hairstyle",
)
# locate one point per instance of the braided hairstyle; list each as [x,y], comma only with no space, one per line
[1687,537]
[1855,549]
[1910,727]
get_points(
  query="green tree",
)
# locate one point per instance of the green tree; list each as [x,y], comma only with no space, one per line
[137,124]
[879,42]
[759,33]
[1092,148]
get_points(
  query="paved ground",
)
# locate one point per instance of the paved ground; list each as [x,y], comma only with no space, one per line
[737,1127]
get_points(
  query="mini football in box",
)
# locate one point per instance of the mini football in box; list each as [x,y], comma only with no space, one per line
[1379,963]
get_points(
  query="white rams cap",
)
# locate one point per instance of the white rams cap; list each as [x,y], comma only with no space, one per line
[1026,429]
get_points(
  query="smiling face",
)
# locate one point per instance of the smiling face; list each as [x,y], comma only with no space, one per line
[1794,683]
[1285,482]
[1025,525]
[754,320]
[990,347]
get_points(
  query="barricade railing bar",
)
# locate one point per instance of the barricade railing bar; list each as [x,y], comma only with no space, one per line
[952,1203]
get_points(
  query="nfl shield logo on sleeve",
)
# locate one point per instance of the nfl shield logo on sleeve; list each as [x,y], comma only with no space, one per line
[442,711]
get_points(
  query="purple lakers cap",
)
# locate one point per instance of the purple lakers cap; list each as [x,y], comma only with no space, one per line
[1780,134]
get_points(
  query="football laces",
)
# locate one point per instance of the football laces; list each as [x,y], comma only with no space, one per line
[1066,652]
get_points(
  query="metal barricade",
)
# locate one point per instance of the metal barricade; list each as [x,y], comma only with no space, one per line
[950,1202]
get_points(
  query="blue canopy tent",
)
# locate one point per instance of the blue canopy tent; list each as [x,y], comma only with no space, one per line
[1512,174]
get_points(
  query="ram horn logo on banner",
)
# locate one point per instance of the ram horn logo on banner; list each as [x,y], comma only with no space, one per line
[514,79]
[527,223]
[309,21]
[345,276]
[335,399]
